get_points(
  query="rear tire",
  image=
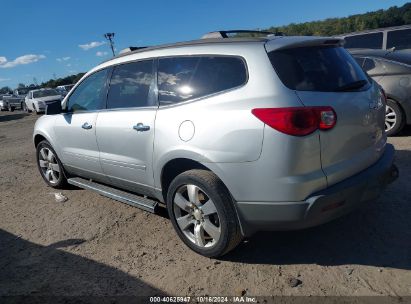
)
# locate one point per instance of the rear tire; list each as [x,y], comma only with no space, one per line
[394,118]
[50,166]
[202,213]
[11,108]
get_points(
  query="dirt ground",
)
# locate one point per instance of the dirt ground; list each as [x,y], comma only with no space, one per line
[91,245]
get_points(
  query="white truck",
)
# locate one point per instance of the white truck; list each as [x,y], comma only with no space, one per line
[16,100]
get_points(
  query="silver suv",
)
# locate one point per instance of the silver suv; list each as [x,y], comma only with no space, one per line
[233,135]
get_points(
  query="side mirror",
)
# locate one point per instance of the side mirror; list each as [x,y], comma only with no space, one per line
[54,108]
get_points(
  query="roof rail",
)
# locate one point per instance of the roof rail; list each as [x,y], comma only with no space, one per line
[131,49]
[231,33]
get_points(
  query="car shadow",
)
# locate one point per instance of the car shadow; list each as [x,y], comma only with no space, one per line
[378,234]
[4,118]
[405,132]
[29,271]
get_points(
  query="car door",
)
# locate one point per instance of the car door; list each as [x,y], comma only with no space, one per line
[125,130]
[75,130]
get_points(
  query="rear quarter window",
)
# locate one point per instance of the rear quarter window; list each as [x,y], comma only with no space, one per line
[400,39]
[323,69]
[365,41]
[185,78]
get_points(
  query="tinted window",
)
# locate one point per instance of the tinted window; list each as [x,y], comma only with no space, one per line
[183,78]
[369,64]
[366,41]
[22,91]
[90,94]
[316,68]
[373,66]
[359,60]
[399,39]
[45,93]
[130,85]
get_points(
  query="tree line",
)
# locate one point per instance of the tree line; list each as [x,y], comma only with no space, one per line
[393,16]
[52,83]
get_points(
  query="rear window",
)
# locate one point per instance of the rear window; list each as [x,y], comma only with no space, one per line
[45,93]
[185,78]
[325,69]
[366,41]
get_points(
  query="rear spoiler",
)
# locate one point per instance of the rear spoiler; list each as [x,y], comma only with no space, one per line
[242,33]
[301,41]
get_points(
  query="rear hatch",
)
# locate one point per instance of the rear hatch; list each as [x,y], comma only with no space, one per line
[322,73]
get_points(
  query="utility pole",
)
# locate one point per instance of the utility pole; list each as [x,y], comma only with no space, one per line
[110,37]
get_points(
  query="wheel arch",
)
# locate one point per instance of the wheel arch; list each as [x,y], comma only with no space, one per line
[178,165]
[404,106]
[38,138]
[174,167]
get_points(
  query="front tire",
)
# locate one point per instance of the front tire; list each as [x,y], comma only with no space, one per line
[50,166]
[202,213]
[394,118]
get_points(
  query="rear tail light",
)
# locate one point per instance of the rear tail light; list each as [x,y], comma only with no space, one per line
[298,121]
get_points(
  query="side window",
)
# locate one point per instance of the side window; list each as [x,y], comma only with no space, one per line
[365,41]
[369,64]
[130,85]
[373,66]
[90,94]
[184,78]
[360,60]
[400,39]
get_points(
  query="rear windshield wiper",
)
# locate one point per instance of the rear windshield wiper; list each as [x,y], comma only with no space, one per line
[352,86]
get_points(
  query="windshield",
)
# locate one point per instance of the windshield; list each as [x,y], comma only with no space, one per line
[23,91]
[45,93]
[326,69]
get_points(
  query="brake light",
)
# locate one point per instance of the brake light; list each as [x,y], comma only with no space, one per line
[298,121]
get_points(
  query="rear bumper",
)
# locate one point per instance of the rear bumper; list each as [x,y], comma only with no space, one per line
[322,206]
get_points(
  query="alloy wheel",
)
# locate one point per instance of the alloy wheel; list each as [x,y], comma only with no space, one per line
[197,216]
[49,165]
[390,118]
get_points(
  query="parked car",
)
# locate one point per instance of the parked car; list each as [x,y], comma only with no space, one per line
[16,100]
[37,100]
[233,135]
[3,104]
[398,38]
[391,70]
[64,89]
